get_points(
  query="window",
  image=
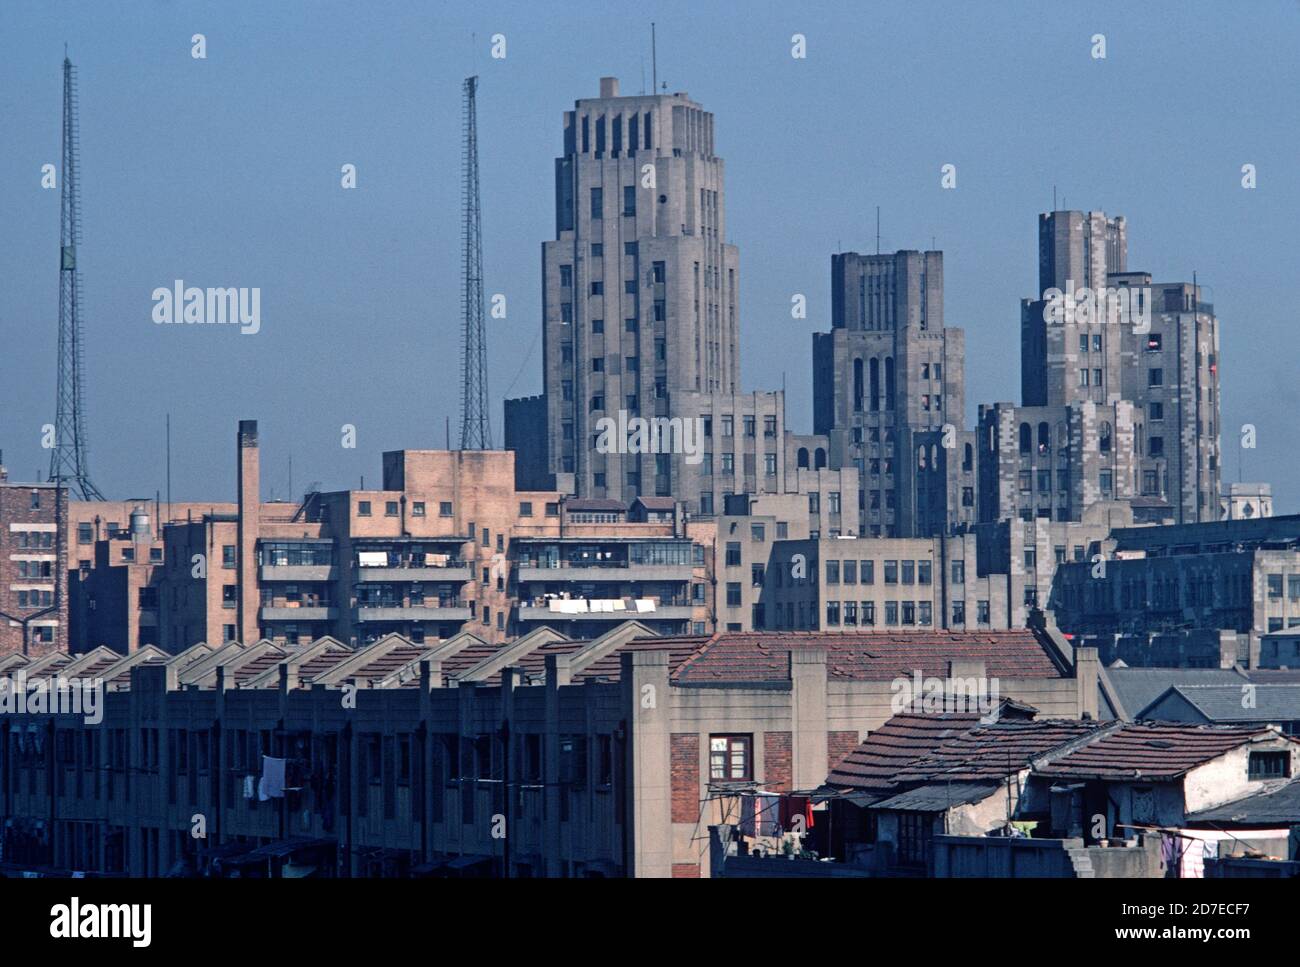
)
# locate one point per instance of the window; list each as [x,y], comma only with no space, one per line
[868,612]
[597,203]
[1153,342]
[757,533]
[891,572]
[923,572]
[891,612]
[731,757]
[832,614]
[867,571]
[597,326]
[417,508]
[1275,585]
[832,572]
[1270,765]
[958,572]
[915,834]
[850,572]
[733,553]
[924,615]
[597,250]
[909,572]
[85,534]
[733,594]
[982,612]
[1157,412]
[390,508]
[1155,377]
[756,572]
[444,508]
[229,595]
[228,555]
[629,200]
[598,288]
[959,612]
[728,426]
[363,508]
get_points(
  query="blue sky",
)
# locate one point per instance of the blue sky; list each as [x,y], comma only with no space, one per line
[225,171]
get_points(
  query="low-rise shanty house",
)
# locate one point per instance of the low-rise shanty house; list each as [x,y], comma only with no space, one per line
[922,776]
[1258,836]
[1151,776]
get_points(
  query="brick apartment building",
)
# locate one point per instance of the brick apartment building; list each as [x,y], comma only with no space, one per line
[33,601]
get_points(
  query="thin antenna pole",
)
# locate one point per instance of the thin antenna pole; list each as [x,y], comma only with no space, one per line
[877,229]
[169,465]
[654,61]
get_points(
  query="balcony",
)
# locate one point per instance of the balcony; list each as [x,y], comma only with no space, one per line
[301,613]
[298,573]
[460,571]
[385,566]
[605,609]
[449,609]
[589,570]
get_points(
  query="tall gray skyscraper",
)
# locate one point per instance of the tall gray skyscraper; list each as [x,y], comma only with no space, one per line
[1121,402]
[639,286]
[887,379]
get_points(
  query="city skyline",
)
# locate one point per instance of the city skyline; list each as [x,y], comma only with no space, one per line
[402,280]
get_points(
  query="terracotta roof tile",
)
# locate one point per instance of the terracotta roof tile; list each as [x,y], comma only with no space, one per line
[1151,750]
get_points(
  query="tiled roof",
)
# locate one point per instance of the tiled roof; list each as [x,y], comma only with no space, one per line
[656,503]
[1237,703]
[902,740]
[602,504]
[938,797]
[1136,688]
[1150,750]
[391,661]
[993,752]
[871,656]
[1278,807]
[680,650]
[467,658]
[319,664]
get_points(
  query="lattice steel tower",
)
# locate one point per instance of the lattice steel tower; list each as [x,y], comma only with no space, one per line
[475,425]
[68,457]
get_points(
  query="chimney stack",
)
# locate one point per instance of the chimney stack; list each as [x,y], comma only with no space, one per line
[250,511]
[609,87]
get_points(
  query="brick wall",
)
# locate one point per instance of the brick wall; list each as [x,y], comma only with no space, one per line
[838,745]
[777,761]
[686,871]
[16,511]
[685,755]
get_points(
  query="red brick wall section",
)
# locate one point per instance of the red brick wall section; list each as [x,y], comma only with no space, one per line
[685,755]
[838,745]
[686,871]
[776,761]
